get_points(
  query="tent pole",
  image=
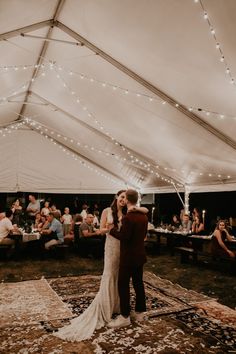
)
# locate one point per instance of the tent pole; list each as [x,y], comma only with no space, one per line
[186,199]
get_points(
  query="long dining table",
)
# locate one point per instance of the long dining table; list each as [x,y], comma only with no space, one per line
[180,238]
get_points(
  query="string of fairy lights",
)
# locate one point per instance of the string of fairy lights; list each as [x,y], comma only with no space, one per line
[55,137]
[115,88]
[134,160]
[130,155]
[46,131]
[103,84]
[218,45]
[43,131]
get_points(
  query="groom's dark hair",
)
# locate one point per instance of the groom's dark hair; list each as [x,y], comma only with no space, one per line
[132,196]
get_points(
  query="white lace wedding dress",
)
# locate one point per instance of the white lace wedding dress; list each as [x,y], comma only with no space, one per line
[105,303]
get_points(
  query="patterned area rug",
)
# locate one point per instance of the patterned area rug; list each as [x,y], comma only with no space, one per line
[179,321]
[162,296]
[29,302]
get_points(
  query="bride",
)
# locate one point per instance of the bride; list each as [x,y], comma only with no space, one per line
[106,302]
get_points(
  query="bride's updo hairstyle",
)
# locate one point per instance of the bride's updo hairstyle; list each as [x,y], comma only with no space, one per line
[115,209]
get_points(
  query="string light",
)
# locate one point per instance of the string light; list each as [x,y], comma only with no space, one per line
[218,46]
[100,126]
[52,65]
[68,152]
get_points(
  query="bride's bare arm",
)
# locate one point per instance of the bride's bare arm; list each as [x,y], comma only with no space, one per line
[103,222]
[141,209]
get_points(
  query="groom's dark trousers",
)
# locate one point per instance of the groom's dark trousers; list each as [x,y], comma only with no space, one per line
[132,259]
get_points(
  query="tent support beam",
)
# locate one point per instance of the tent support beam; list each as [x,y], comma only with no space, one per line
[26,29]
[227,140]
[42,54]
[179,195]
[96,131]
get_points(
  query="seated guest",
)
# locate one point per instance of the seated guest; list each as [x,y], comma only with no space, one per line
[90,242]
[186,225]
[43,224]
[175,223]
[56,212]
[53,235]
[33,207]
[6,229]
[198,226]
[218,241]
[196,212]
[37,220]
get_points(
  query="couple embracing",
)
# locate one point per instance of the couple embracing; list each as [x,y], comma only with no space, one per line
[123,259]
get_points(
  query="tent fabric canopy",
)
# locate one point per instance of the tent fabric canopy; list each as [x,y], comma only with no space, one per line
[96,96]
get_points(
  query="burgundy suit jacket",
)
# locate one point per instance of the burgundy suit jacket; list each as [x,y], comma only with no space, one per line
[131,236]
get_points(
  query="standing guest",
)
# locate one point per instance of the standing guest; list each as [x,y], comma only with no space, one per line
[218,241]
[46,209]
[33,207]
[17,212]
[53,235]
[132,258]
[96,212]
[84,211]
[76,227]
[66,220]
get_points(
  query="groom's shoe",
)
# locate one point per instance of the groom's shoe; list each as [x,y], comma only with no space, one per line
[138,316]
[120,321]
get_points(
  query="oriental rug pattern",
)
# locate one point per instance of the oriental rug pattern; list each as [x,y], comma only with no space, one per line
[180,321]
[29,302]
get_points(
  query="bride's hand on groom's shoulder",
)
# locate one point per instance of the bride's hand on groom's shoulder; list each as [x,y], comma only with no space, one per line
[143,210]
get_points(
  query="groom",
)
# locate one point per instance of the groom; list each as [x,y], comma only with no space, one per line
[132,258]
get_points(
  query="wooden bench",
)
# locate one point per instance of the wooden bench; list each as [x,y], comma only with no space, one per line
[185,252]
[152,246]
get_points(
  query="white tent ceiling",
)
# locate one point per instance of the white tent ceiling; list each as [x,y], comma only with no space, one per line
[98,95]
